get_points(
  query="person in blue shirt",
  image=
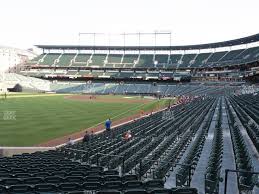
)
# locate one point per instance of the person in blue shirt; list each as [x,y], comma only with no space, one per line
[108,124]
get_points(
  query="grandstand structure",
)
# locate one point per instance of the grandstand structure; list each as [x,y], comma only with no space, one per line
[146,89]
[12,82]
[228,60]
[205,142]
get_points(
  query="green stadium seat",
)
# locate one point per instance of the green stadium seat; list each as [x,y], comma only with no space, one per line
[133,185]
[76,192]
[93,179]
[130,177]
[112,185]
[22,175]
[59,173]
[187,60]
[36,59]
[65,60]
[114,58]
[129,59]
[160,191]
[67,187]
[53,180]
[26,189]
[154,184]
[97,60]
[33,180]
[111,178]
[200,60]
[135,191]
[146,61]
[45,188]
[231,54]
[215,57]
[77,173]
[3,189]
[92,186]
[108,192]
[49,59]
[174,59]
[11,181]
[74,179]
[184,191]
[42,174]
[81,59]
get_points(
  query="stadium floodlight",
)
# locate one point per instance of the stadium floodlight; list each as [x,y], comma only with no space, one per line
[88,33]
[124,37]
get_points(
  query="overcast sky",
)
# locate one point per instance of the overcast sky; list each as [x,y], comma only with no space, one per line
[28,22]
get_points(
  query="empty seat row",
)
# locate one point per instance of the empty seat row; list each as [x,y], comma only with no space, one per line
[86,186]
[242,156]
[212,174]
[75,188]
[59,179]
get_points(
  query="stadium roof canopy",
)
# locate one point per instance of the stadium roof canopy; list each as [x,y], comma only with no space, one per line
[235,42]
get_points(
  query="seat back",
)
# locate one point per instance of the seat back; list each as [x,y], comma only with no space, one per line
[113,185]
[133,185]
[66,187]
[53,179]
[33,180]
[42,188]
[74,179]
[19,189]
[92,186]
[109,192]
[135,191]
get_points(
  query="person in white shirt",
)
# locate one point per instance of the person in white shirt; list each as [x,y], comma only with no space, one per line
[70,141]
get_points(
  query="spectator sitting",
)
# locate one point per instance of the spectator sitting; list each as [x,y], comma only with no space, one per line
[70,141]
[86,138]
[127,135]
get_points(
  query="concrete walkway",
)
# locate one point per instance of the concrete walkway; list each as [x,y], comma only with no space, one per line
[199,173]
[228,161]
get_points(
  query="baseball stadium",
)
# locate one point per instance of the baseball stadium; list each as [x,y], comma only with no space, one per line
[97,118]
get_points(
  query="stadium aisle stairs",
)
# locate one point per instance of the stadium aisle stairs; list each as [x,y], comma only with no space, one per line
[228,159]
[200,170]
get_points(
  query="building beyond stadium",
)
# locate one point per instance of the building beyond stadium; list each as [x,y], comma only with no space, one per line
[11,57]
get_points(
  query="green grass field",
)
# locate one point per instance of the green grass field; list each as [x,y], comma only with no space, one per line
[27,120]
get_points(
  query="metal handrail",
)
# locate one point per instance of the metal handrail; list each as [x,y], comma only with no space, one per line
[173,164]
[235,171]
